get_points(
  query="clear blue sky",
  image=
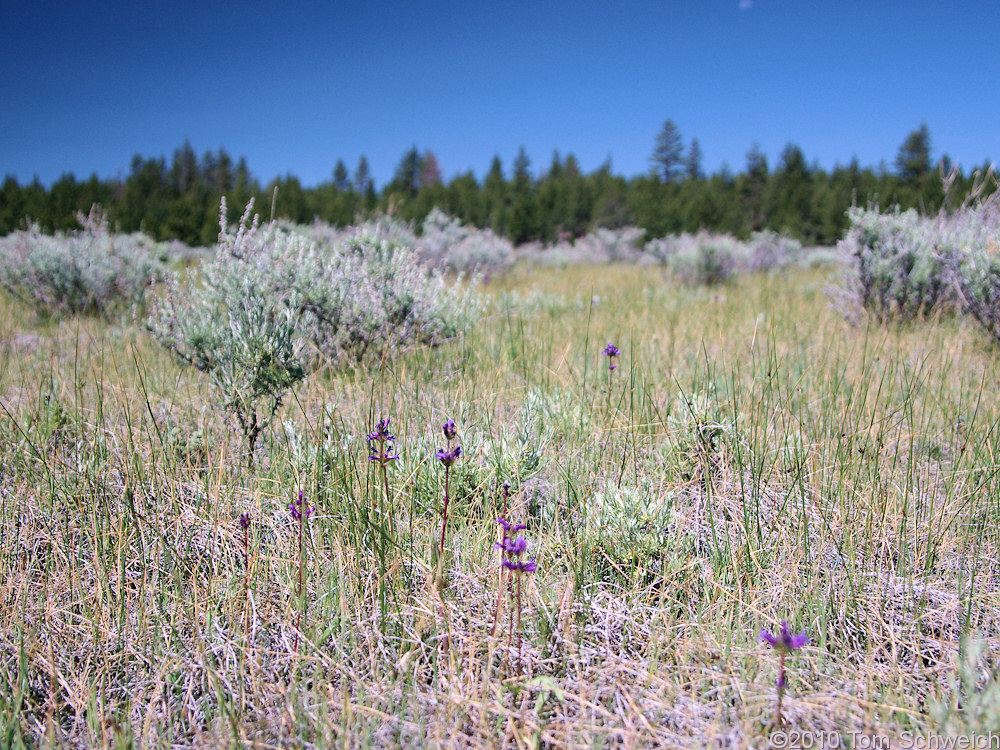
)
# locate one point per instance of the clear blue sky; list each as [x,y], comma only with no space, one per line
[294,86]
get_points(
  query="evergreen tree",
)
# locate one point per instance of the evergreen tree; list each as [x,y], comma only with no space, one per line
[790,196]
[183,174]
[465,200]
[363,183]
[430,171]
[406,181]
[341,182]
[668,153]
[692,165]
[913,161]
[754,184]
[495,195]
[522,224]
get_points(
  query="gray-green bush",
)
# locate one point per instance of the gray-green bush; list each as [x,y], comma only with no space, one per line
[91,271]
[899,262]
[274,304]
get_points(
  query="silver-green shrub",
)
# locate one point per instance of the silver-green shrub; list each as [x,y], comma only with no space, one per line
[700,259]
[238,323]
[372,295]
[273,304]
[91,271]
[977,263]
[600,246]
[900,261]
[447,243]
[769,251]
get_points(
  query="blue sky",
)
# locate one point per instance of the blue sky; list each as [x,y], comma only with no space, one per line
[295,86]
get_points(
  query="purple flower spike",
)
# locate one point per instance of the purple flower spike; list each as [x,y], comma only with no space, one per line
[244,521]
[611,351]
[381,432]
[513,547]
[298,508]
[447,457]
[380,444]
[511,528]
[528,566]
[785,641]
[449,430]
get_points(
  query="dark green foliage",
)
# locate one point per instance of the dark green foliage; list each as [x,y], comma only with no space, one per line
[177,199]
[668,153]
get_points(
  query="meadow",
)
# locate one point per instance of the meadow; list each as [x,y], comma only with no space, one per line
[753,457]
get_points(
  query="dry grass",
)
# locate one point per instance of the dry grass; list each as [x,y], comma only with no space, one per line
[754,459]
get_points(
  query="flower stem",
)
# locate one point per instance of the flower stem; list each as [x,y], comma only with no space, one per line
[444,510]
[301,593]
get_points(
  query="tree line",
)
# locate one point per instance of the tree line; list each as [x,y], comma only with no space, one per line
[179,198]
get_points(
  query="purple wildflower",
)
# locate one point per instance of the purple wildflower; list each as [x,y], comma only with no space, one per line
[244,521]
[516,566]
[447,457]
[299,509]
[510,528]
[512,546]
[381,432]
[785,641]
[380,444]
[611,351]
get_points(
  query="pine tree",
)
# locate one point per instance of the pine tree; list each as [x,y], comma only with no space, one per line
[913,161]
[668,153]
[693,163]
[363,183]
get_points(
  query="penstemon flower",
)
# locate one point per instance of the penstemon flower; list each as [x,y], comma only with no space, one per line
[380,444]
[511,551]
[447,457]
[299,509]
[611,351]
[784,643]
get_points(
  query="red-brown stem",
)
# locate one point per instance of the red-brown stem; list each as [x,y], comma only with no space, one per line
[302,603]
[444,511]
[385,484]
[503,556]
[246,584]
[520,635]
[781,688]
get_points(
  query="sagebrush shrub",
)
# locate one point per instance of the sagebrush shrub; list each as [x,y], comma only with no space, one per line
[238,323]
[900,262]
[447,243]
[702,258]
[600,246]
[274,304]
[371,295]
[976,265]
[91,271]
[770,251]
